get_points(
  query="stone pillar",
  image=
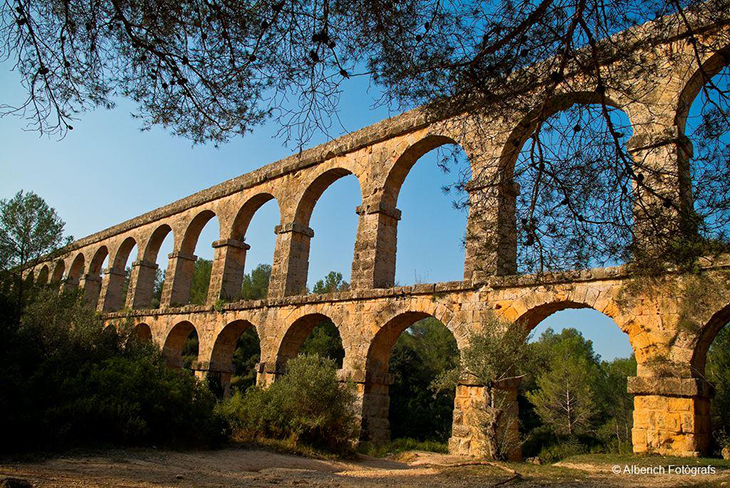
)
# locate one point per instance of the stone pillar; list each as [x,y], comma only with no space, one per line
[268,372]
[373,265]
[372,391]
[471,405]
[671,415]
[141,285]
[491,233]
[663,207]
[291,260]
[220,373]
[91,284]
[178,279]
[226,277]
[111,298]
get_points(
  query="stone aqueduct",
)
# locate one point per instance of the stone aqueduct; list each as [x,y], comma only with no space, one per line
[671,413]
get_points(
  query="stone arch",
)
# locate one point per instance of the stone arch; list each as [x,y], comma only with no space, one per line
[143,333]
[534,316]
[296,333]
[121,256]
[224,345]
[539,310]
[76,270]
[507,189]
[93,279]
[701,75]
[98,260]
[378,357]
[173,345]
[154,243]
[193,230]
[144,270]
[58,271]
[527,125]
[182,265]
[43,275]
[314,191]
[116,275]
[405,161]
[706,336]
[246,213]
[377,379]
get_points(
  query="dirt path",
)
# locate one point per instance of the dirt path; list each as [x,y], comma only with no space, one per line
[254,468]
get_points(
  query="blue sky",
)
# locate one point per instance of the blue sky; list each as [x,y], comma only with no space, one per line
[107,171]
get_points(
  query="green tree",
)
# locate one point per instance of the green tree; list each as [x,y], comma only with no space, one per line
[423,353]
[565,398]
[331,283]
[245,358]
[157,290]
[325,341]
[496,356]
[125,285]
[29,229]
[200,282]
[256,284]
[190,350]
[616,403]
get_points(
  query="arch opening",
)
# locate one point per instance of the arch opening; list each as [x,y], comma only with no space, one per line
[180,349]
[95,280]
[43,276]
[253,225]
[193,285]
[143,333]
[711,361]
[236,354]
[580,354]
[329,206]
[405,359]
[567,187]
[704,116]
[311,334]
[58,272]
[76,271]
[427,184]
[152,269]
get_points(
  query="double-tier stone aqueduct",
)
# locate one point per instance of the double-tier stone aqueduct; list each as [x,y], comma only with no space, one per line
[671,414]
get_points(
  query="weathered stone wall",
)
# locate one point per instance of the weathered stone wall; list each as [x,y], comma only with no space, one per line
[670,414]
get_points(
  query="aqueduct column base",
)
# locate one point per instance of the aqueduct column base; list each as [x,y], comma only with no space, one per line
[671,415]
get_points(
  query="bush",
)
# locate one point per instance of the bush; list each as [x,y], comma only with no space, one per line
[69,381]
[307,405]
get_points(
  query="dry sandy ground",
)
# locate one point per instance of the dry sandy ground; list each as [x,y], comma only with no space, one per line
[255,468]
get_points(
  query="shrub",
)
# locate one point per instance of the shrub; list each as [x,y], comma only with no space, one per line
[69,381]
[307,405]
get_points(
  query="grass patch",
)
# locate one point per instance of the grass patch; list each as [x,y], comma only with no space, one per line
[402,445]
